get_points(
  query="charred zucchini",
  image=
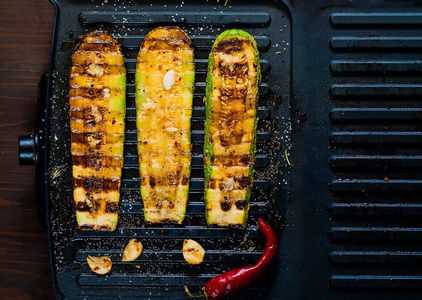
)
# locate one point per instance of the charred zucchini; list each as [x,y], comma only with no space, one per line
[97,101]
[230,129]
[165,74]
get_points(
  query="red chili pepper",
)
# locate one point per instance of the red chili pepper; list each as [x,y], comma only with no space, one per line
[236,280]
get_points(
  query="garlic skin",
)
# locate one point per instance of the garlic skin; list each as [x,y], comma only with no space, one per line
[132,250]
[168,80]
[100,265]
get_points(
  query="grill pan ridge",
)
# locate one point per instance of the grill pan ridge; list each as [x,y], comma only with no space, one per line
[162,271]
[340,102]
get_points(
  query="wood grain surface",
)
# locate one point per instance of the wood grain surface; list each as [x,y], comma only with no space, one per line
[25,35]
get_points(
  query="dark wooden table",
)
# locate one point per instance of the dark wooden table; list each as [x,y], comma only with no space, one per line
[25,36]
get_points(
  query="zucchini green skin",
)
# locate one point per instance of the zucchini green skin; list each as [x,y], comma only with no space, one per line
[163,123]
[211,213]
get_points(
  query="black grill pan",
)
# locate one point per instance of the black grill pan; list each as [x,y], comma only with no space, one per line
[161,272]
[340,102]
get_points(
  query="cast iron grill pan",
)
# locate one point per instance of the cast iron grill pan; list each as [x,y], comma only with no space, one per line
[161,270]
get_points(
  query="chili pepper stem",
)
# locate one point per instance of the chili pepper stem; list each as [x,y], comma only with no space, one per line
[204,295]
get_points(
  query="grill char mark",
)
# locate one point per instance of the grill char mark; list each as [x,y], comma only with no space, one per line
[95,184]
[91,161]
[241,204]
[154,181]
[225,205]
[232,160]
[239,72]
[82,206]
[89,92]
[173,44]
[77,137]
[97,48]
[243,183]
[95,227]
[110,207]
[229,46]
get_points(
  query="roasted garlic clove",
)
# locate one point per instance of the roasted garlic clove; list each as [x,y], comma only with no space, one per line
[100,265]
[193,252]
[132,250]
[168,80]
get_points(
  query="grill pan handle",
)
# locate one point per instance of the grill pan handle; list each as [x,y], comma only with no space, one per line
[27,149]
[31,150]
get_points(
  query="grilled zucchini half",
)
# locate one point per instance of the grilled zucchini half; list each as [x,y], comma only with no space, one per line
[165,75]
[97,101]
[230,129]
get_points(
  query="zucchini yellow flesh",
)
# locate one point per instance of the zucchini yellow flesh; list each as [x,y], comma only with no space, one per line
[230,130]
[165,75]
[97,99]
